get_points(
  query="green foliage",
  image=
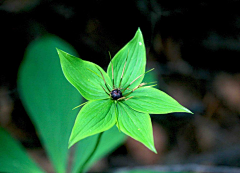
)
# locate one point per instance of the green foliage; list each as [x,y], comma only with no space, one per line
[111,139]
[134,55]
[13,157]
[49,99]
[135,124]
[130,112]
[92,119]
[154,101]
[84,76]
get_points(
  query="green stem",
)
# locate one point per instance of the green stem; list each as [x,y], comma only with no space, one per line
[92,153]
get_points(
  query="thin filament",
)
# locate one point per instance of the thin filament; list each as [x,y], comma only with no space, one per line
[123,70]
[140,85]
[105,90]
[79,105]
[112,69]
[137,78]
[104,79]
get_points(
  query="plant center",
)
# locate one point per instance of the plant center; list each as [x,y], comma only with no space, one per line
[116,94]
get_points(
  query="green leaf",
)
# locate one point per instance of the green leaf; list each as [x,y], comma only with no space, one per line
[13,157]
[95,117]
[48,97]
[110,140]
[153,101]
[85,76]
[136,125]
[134,55]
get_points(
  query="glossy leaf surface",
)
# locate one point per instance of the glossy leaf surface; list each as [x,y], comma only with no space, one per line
[153,101]
[136,125]
[95,117]
[129,109]
[85,76]
[134,55]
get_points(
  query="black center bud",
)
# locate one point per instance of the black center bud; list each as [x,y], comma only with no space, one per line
[116,94]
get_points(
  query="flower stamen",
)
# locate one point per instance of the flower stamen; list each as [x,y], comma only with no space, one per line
[137,78]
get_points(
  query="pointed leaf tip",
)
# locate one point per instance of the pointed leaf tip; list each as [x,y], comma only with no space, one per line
[139,30]
[85,76]
[188,111]
[135,124]
[70,143]
[58,50]
[154,150]
[154,101]
[129,63]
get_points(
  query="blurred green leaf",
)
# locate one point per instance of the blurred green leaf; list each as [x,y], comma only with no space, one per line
[13,157]
[110,140]
[48,97]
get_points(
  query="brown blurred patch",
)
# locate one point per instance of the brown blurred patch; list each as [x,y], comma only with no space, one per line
[142,154]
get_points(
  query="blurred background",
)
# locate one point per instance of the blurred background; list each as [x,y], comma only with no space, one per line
[194,48]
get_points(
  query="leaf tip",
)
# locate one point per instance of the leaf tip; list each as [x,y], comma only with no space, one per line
[61,52]
[139,37]
[187,110]
[139,30]
[155,151]
[151,147]
[58,50]
[70,143]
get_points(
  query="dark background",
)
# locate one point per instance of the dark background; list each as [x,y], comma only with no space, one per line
[194,48]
